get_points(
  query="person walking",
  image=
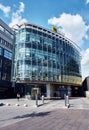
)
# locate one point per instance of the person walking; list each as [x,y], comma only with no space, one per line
[18,96]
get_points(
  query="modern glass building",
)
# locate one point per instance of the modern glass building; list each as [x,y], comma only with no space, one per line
[6,46]
[45,57]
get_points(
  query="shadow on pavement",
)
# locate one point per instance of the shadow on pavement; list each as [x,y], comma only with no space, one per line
[32,115]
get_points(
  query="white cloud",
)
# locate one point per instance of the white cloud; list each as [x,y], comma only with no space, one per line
[85,71]
[21,7]
[17,16]
[85,63]
[87,1]
[6,9]
[85,57]
[72,26]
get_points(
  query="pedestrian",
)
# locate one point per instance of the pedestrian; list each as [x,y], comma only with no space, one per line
[18,96]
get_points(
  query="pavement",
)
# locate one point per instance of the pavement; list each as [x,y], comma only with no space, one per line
[52,115]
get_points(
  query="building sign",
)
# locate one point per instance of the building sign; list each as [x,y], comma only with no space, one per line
[54,28]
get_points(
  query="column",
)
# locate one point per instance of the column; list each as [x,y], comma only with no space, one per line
[49,90]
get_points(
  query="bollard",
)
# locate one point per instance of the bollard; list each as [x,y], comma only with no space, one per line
[36,97]
[65,99]
[42,99]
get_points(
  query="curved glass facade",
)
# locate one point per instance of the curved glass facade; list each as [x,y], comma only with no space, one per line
[44,56]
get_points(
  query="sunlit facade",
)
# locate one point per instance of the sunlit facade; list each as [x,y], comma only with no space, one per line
[45,57]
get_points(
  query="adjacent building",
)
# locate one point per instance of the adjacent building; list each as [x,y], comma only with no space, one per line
[46,62]
[85,86]
[6,46]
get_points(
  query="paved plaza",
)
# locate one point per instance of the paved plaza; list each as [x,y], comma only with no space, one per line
[52,115]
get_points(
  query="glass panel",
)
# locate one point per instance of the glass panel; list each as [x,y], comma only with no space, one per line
[22,36]
[1,28]
[0,51]
[43,57]
[7,54]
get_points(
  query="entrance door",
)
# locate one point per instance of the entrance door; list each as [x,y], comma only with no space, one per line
[35,91]
[61,91]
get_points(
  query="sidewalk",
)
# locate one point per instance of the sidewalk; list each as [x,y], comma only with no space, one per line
[53,115]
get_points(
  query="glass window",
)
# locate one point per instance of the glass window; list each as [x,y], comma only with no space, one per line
[0,63]
[23,36]
[34,31]
[37,39]
[28,30]
[39,33]
[32,38]
[44,35]
[8,33]
[1,28]
[7,54]
[22,30]
[0,51]
[27,37]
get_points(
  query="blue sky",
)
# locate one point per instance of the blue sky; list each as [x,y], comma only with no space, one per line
[70,16]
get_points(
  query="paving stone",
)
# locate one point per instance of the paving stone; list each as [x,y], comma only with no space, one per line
[51,116]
